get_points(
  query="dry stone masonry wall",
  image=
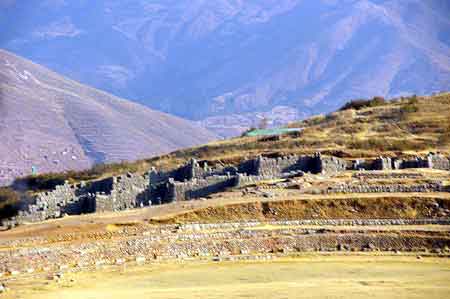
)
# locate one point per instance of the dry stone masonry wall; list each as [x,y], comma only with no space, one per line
[198,188]
[432,160]
[127,192]
[198,180]
[387,188]
[54,204]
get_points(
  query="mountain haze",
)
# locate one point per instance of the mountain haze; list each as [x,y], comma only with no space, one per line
[229,63]
[58,124]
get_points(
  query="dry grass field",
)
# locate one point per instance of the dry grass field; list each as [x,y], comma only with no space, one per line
[310,276]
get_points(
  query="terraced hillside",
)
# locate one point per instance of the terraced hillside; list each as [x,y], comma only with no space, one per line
[56,124]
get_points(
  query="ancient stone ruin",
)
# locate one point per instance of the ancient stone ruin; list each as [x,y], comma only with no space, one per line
[197,180]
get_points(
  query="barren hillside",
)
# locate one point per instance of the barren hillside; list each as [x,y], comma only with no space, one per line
[56,124]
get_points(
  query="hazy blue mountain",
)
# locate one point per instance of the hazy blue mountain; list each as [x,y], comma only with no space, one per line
[57,124]
[228,62]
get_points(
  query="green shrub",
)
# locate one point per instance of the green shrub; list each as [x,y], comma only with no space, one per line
[39,182]
[413,100]
[7,194]
[249,130]
[407,109]
[9,202]
[362,103]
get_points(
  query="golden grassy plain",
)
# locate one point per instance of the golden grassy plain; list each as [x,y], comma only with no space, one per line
[309,276]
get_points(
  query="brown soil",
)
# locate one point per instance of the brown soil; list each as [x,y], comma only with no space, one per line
[325,208]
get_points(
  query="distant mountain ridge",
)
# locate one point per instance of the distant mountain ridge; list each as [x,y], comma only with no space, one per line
[57,124]
[230,62]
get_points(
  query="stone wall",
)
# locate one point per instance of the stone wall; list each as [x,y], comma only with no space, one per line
[64,199]
[382,164]
[276,166]
[330,164]
[376,175]
[110,194]
[194,181]
[437,161]
[243,180]
[432,160]
[126,192]
[258,167]
[196,188]
[388,188]
[193,169]
[317,163]
[416,162]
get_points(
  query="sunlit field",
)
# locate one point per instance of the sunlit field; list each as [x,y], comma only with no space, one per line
[308,277]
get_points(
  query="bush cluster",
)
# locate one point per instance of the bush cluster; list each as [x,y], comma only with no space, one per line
[362,103]
[409,107]
[9,202]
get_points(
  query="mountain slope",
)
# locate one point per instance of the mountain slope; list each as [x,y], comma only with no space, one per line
[57,124]
[212,60]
